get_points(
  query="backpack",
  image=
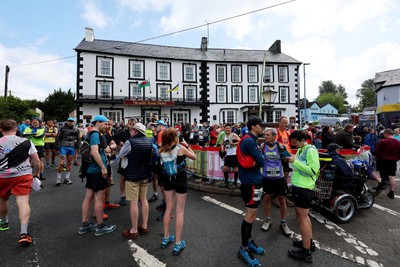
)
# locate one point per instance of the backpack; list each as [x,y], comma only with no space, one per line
[245,161]
[155,157]
[86,156]
[169,165]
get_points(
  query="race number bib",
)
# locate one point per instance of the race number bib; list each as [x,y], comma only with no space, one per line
[273,172]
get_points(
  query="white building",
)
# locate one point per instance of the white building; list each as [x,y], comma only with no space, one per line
[215,85]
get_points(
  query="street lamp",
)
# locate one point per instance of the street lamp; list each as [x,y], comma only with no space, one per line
[269,96]
[305,99]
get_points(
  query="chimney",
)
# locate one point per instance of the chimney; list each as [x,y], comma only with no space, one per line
[203,46]
[89,37]
[276,47]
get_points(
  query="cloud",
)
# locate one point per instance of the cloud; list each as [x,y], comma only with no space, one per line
[36,81]
[93,15]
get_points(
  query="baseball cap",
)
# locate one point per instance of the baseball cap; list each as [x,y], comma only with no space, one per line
[37,118]
[70,119]
[100,118]
[140,127]
[254,121]
[333,147]
[160,122]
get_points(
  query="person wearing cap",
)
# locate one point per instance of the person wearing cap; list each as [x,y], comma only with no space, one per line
[305,165]
[343,170]
[251,189]
[96,180]
[69,141]
[36,134]
[138,151]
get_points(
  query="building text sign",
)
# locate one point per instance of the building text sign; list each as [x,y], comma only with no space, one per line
[148,103]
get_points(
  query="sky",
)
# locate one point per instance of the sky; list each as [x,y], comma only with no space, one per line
[345,41]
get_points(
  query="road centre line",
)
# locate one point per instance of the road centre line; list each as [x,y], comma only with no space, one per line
[360,246]
[143,258]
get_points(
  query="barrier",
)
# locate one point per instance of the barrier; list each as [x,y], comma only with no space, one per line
[208,163]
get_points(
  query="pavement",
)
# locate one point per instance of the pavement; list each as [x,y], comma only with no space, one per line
[212,186]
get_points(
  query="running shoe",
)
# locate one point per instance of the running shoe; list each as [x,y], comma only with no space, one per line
[299,244]
[53,164]
[104,229]
[256,249]
[123,202]
[4,226]
[68,181]
[391,194]
[153,198]
[86,228]
[24,240]
[301,254]
[266,225]
[127,234]
[167,240]
[247,257]
[285,229]
[64,167]
[178,248]
[110,206]
[58,182]
[47,166]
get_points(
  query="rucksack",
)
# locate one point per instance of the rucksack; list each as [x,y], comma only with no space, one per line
[169,164]
[86,156]
[245,161]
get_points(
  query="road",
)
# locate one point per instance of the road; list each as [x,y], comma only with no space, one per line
[212,233]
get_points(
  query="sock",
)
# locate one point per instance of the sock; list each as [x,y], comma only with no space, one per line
[246,233]
[58,175]
[226,176]
[236,176]
[24,229]
[67,174]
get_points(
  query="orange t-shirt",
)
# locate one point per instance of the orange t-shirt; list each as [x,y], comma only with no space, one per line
[283,138]
[159,138]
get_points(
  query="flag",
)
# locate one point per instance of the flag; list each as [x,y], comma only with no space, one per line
[144,84]
[176,88]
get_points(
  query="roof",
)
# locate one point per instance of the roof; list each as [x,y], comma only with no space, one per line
[182,53]
[387,78]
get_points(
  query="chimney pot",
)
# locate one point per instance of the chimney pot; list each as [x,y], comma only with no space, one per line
[89,37]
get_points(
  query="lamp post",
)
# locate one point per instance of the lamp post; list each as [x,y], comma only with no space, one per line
[305,99]
[269,96]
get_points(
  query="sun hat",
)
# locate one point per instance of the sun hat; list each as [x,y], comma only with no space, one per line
[140,128]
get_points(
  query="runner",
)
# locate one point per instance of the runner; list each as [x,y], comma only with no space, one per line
[50,143]
[16,176]
[36,134]
[228,146]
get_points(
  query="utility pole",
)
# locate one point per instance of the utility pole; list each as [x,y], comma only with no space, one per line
[305,99]
[6,81]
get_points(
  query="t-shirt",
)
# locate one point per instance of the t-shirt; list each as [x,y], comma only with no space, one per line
[230,149]
[8,143]
[95,140]
[159,138]
[283,138]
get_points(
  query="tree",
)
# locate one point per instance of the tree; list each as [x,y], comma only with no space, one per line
[341,90]
[366,94]
[15,108]
[335,100]
[58,105]
[327,87]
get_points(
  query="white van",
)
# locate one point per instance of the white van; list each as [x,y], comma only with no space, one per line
[332,121]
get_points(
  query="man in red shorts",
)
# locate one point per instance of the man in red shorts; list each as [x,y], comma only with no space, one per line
[16,177]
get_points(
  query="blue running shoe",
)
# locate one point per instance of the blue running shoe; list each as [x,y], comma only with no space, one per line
[256,249]
[245,255]
[167,240]
[104,229]
[178,248]
[87,228]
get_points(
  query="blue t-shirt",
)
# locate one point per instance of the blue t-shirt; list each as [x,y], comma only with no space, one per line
[94,168]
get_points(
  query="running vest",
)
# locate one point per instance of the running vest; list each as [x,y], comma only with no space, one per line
[229,149]
[272,164]
[39,132]
[50,139]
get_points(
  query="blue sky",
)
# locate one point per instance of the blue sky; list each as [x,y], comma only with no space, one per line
[346,41]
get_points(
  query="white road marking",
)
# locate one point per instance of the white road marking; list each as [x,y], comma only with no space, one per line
[392,212]
[143,258]
[360,246]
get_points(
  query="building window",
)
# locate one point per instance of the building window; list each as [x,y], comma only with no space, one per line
[115,115]
[189,72]
[136,91]
[228,116]
[105,89]
[163,71]
[162,91]
[221,74]
[253,94]
[236,74]
[236,94]
[136,70]
[269,74]
[221,94]
[283,74]
[252,74]
[190,93]
[278,115]
[104,66]
[283,95]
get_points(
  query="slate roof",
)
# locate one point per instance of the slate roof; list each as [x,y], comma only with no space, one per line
[182,53]
[387,78]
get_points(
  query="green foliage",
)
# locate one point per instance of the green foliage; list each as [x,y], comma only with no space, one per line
[366,94]
[327,87]
[58,105]
[15,108]
[335,100]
